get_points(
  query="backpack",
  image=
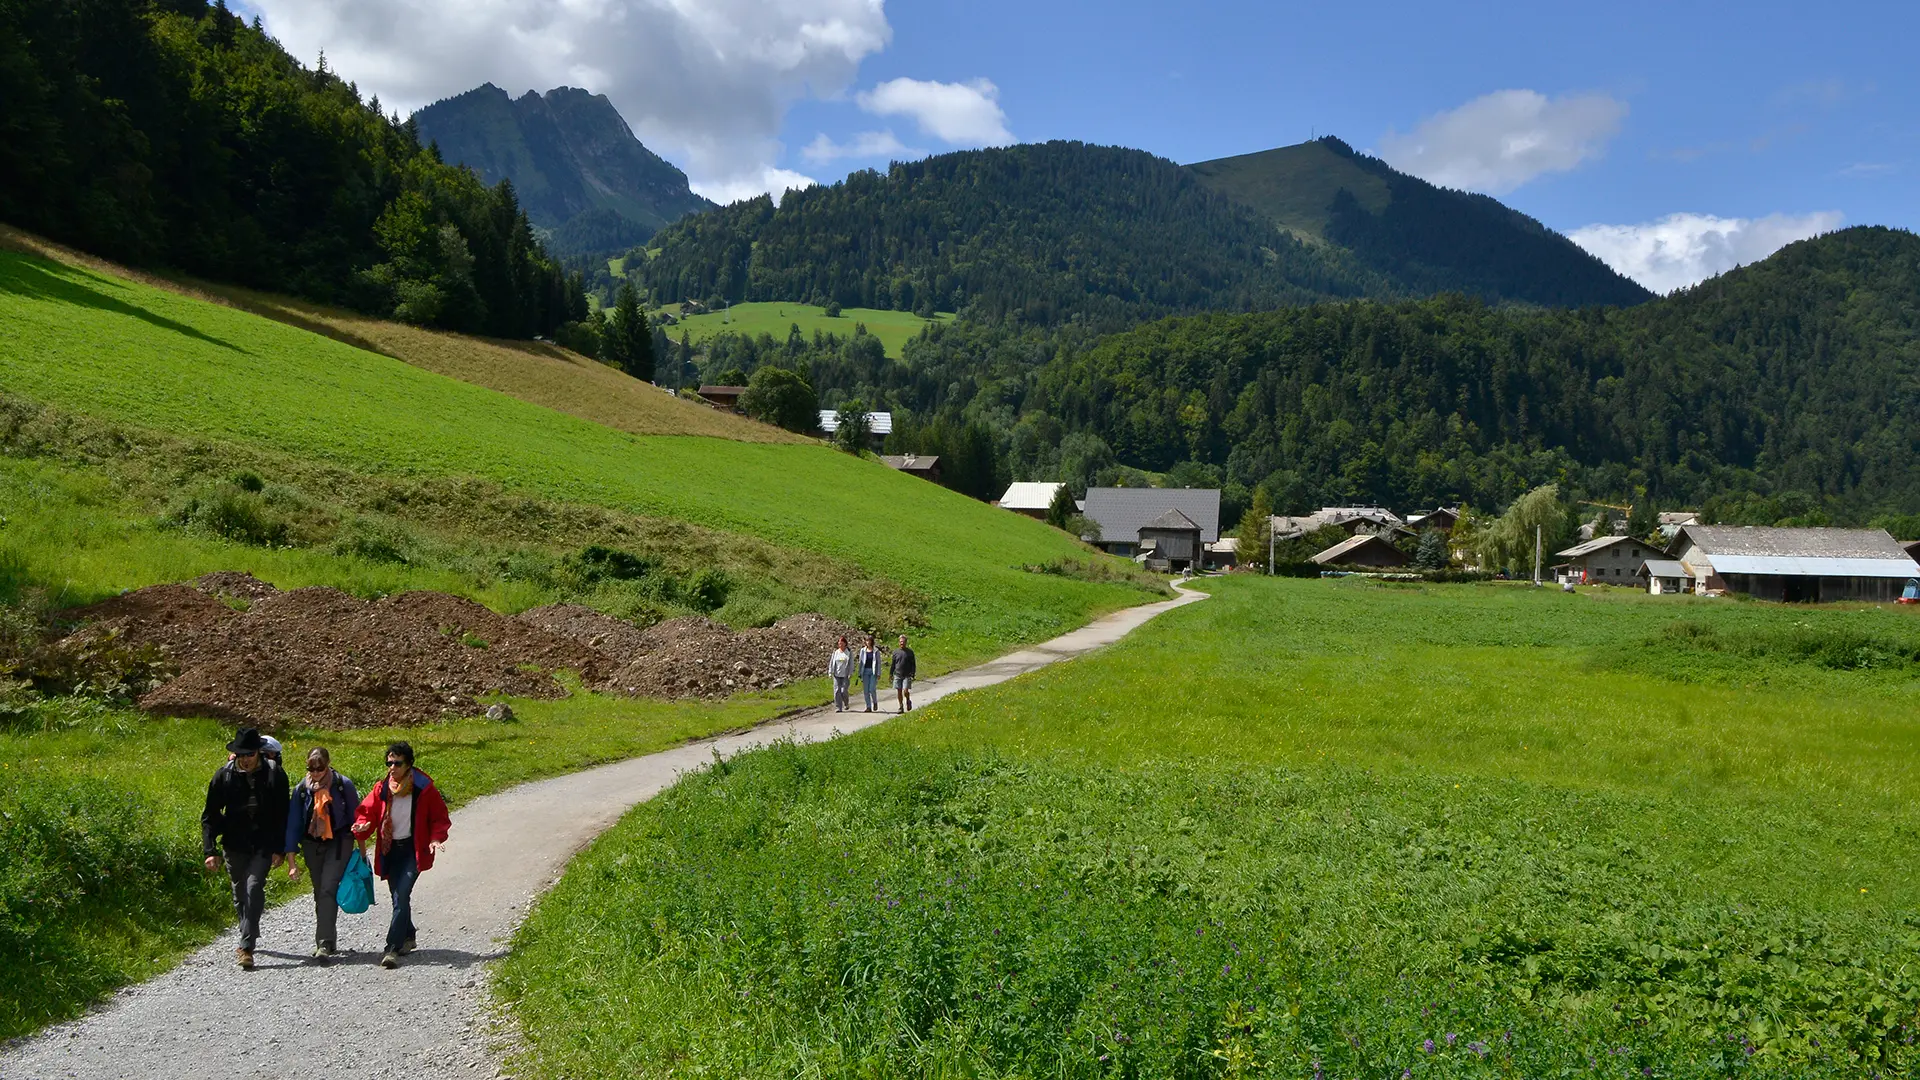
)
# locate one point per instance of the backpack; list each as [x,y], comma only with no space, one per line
[355,894]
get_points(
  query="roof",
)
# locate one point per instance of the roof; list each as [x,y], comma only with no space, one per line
[725,391]
[911,462]
[1718,541]
[1122,512]
[1679,517]
[1596,544]
[1225,543]
[1815,566]
[1350,545]
[1029,495]
[879,423]
[1665,568]
[1172,519]
[1288,527]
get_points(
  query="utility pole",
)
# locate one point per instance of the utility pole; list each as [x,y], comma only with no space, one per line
[1269,545]
[1537,531]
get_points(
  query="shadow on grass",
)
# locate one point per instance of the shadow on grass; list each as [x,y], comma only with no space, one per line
[39,280]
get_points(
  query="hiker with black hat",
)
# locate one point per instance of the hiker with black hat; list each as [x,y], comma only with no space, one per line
[245,821]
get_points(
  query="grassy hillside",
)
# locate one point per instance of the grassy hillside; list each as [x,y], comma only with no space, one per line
[893,328]
[1303,828]
[105,347]
[1295,186]
[534,371]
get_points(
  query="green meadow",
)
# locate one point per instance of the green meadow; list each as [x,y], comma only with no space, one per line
[893,328]
[1304,828]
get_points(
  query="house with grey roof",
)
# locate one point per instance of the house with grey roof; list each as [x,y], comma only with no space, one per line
[1172,539]
[1663,576]
[1604,560]
[1354,519]
[1794,565]
[1362,549]
[1122,514]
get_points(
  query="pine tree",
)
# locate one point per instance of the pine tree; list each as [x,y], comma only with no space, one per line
[1255,525]
[1062,507]
[629,338]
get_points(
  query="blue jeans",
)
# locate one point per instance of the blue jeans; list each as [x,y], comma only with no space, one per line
[402,868]
[867,681]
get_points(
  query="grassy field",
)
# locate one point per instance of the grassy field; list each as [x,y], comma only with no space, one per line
[893,328]
[1303,829]
[538,372]
[92,344]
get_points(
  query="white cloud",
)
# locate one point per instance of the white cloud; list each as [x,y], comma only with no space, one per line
[766,181]
[867,144]
[960,114]
[1864,169]
[1681,249]
[705,82]
[1497,142]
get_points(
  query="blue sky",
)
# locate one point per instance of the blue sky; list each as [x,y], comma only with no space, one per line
[1673,139]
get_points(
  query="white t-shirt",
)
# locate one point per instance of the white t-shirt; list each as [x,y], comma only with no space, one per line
[402,817]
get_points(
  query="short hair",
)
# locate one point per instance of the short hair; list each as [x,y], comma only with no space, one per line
[404,749]
[321,753]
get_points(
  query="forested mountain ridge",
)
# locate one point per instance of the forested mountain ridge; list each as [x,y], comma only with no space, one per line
[567,152]
[1797,376]
[1042,233]
[171,133]
[1426,238]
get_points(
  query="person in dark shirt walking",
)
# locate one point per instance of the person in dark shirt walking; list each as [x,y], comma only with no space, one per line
[245,822]
[901,666]
[320,827]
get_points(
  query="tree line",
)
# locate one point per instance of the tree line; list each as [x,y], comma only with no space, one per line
[174,134]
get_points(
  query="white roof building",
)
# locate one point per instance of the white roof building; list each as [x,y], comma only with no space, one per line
[1030,496]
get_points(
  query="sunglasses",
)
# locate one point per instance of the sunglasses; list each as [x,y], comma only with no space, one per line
[316,768]
[395,764]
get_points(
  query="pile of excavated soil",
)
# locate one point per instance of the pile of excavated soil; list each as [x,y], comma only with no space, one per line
[247,652]
[695,657]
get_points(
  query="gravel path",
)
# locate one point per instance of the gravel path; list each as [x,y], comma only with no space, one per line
[433,1017]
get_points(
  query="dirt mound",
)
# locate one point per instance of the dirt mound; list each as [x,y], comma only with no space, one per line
[696,657]
[234,585]
[183,622]
[482,627]
[616,638]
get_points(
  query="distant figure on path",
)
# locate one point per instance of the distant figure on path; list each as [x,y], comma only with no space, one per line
[870,672]
[840,669]
[902,668]
[245,821]
[408,820]
[320,828]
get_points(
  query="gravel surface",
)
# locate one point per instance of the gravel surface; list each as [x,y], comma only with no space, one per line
[433,1016]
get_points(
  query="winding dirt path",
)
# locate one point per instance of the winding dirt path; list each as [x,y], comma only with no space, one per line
[432,1017]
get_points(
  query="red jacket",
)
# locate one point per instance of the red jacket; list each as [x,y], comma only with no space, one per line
[430,821]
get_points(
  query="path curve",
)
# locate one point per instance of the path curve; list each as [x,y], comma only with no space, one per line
[205,1020]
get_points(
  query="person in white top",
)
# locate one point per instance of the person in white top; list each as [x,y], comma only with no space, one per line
[870,672]
[840,670]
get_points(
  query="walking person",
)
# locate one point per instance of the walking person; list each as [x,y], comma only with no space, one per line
[901,665]
[840,670]
[245,823]
[320,828]
[407,820]
[870,672]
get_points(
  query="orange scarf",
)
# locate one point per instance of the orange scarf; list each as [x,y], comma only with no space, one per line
[321,824]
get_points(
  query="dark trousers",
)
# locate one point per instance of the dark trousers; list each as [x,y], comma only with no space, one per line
[402,868]
[248,871]
[327,864]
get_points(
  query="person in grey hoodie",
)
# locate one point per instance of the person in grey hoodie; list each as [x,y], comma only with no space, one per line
[320,828]
[840,670]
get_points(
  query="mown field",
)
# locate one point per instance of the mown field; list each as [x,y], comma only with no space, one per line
[1305,828]
[893,328]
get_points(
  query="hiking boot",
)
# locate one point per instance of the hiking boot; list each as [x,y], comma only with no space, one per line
[391,960]
[243,957]
[406,947]
[321,954]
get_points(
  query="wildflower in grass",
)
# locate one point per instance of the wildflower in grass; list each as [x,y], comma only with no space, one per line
[1427,1046]
[1451,1036]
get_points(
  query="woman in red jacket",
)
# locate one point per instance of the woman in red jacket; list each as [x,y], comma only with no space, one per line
[408,819]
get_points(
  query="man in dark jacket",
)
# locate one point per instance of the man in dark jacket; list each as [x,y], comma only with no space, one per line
[246,817]
[901,665]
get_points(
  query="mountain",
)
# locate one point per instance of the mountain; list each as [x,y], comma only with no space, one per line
[1779,389]
[1044,233]
[567,152]
[1425,238]
[1062,232]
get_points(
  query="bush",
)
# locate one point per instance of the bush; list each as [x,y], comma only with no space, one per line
[782,398]
[235,513]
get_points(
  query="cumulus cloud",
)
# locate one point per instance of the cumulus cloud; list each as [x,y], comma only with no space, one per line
[767,180]
[706,82]
[1497,142]
[1681,249]
[960,114]
[867,144]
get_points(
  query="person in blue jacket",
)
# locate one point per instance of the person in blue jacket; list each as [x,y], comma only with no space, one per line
[320,828]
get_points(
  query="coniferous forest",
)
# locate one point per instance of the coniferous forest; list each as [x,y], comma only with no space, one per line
[173,134]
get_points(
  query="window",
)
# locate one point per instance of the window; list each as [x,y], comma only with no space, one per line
[1636,553]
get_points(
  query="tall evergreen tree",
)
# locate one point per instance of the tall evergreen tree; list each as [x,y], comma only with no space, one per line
[629,338]
[1255,524]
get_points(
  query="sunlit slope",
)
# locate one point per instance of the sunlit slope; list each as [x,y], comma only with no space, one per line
[540,372]
[91,343]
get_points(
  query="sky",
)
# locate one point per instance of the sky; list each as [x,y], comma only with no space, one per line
[1674,140]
